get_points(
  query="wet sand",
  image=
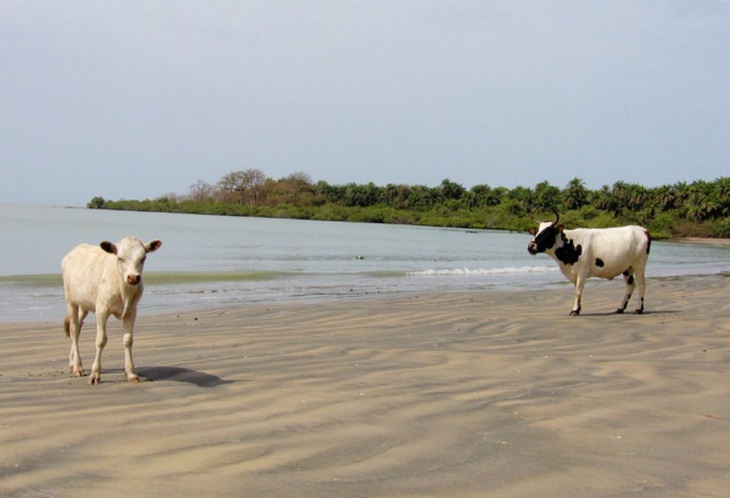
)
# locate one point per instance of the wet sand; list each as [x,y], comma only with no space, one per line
[498,394]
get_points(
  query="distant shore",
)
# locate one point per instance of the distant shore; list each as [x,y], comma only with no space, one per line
[704,240]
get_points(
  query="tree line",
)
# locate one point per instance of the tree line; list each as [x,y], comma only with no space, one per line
[700,208]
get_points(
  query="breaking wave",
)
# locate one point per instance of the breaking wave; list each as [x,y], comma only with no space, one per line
[457,272]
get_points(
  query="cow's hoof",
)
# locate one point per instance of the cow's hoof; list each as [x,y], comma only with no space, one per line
[575,313]
[94,379]
[638,312]
[135,379]
[78,373]
[619,311]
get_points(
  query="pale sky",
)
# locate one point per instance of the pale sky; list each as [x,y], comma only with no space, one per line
[136,99]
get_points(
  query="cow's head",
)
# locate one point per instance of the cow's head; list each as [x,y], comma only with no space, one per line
[131,254]
[546,236]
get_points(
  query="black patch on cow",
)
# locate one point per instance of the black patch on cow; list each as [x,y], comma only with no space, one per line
[546,239]
[648,243]
[600,263]
[629,276]
[569,254]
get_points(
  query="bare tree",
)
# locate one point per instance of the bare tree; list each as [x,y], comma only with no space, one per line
[299,178]
[256,181]
[246,184]
[200,191]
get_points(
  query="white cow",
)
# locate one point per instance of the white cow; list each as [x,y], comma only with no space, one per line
[105,280]
[592,252]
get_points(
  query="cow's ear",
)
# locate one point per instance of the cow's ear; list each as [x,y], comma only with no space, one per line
[532,230]
[560,228]
[108,247]
[153,246]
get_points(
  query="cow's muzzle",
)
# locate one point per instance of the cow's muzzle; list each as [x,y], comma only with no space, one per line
[532,248]
[134,279]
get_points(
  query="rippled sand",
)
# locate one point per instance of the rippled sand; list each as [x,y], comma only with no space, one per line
[472,394]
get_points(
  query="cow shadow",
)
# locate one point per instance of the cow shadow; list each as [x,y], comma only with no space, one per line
[178,374]
[631,313]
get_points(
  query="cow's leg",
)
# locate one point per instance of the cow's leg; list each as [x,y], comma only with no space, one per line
[630,286]
[128,323]
[74,319]
[579,283]
[641,281]
[101,319]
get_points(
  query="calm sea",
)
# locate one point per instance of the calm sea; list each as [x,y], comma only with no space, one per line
[208,261]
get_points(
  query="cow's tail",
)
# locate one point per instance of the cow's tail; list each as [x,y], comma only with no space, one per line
[67,325]
[648,240]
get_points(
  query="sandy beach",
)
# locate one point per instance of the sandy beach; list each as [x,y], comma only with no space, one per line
[497,394]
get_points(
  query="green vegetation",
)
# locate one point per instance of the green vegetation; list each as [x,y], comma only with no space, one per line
[699,209]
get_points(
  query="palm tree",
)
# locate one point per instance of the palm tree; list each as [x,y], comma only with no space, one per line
[697,203]
[451,190]
[524,196]
[665,197]
[575,194]
[605,200]
[420,197]
[390,193]
[354,195]
[721,197]
[636,197]
[546,196]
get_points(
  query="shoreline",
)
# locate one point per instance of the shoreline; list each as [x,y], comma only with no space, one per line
[157,311]
[703,240]
[475,393]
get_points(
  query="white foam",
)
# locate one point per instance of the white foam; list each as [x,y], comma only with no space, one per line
[457,272]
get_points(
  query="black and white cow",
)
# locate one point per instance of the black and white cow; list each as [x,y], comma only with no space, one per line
[596,252]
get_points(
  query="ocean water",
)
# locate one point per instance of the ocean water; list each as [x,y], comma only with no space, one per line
[211,261]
